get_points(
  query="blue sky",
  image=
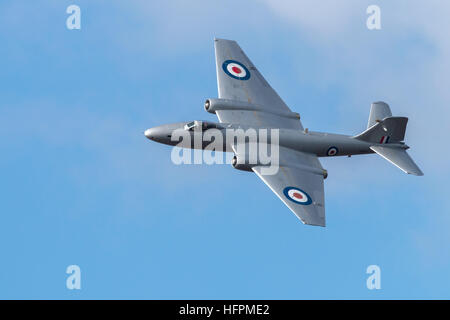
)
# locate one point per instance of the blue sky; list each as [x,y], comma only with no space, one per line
[81,184]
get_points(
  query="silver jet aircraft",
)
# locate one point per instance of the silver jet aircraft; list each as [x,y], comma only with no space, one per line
[246,100]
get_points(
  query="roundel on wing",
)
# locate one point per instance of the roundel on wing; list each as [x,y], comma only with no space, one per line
[236,70]
[297,195]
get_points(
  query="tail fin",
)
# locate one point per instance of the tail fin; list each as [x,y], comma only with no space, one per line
[387,133]
[382,127]
[378,111]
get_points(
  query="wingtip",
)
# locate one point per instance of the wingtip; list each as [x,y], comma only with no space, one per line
[313,224]
[416,172]
[220,39]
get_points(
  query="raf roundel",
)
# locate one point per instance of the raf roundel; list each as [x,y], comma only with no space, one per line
[332,151]
[236,70]
[297,195]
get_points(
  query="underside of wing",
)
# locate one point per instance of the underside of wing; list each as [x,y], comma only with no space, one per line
[239,80]
[299,184]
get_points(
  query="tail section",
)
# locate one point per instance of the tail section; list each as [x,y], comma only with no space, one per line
[388,130]
[387,133]
[398,157]
[378,111]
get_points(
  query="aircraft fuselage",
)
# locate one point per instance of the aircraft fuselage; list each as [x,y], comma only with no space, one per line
[321,144]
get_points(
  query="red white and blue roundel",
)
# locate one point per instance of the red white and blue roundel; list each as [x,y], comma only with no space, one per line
[236,70]
[332,151]
[297,195]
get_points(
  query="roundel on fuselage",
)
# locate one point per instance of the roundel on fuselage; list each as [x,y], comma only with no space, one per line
[332,151]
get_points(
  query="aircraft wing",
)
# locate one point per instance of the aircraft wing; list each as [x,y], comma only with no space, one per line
[238,79]
[299,184]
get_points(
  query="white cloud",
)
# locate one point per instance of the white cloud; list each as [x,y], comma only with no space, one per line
[321,19]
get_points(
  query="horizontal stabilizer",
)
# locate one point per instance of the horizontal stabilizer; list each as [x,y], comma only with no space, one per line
[400,158]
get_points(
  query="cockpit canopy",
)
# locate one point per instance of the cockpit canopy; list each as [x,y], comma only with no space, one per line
[201,125]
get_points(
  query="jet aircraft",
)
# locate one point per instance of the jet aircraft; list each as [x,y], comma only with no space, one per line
[246,100]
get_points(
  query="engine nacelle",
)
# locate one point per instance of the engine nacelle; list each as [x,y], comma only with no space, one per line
[238,164]
[208,106]
[213,105]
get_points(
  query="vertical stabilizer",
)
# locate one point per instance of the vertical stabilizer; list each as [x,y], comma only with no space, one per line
[378,111]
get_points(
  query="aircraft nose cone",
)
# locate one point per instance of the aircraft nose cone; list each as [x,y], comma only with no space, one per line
[149,133]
